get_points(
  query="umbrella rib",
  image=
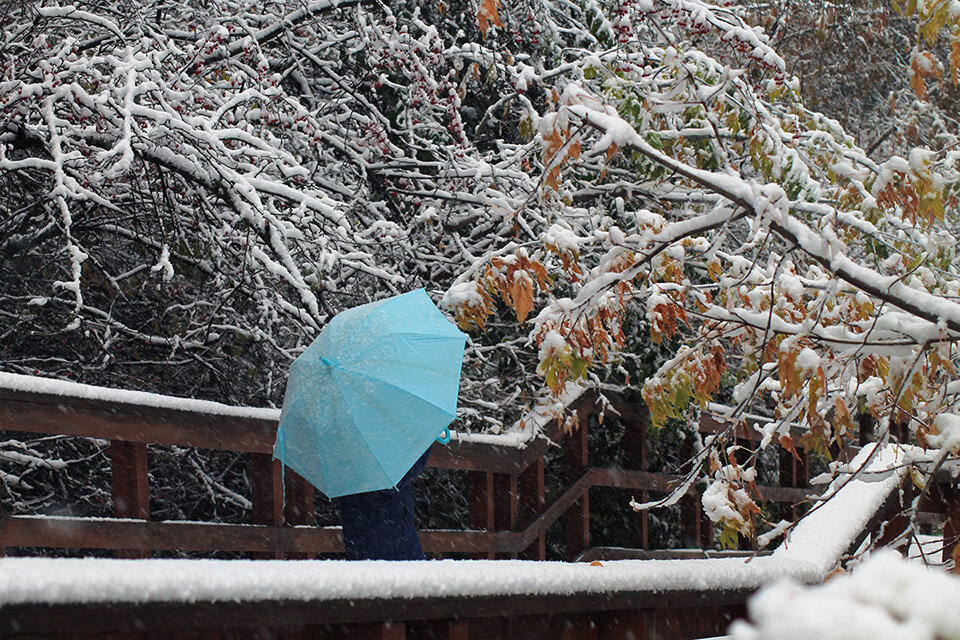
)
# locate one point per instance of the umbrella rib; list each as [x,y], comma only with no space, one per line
[360,432]
[398,388]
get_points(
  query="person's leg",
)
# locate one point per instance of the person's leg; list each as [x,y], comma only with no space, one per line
[408,542]
[372,523]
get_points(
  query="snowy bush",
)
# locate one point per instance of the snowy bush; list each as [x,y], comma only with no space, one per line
[885,598]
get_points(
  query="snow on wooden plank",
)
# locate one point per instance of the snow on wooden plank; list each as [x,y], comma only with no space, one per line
[65,391]
[845,509]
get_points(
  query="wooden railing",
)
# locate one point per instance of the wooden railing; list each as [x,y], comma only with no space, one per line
[507,511]
[508,515]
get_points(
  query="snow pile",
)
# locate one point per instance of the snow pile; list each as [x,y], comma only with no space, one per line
[886,598]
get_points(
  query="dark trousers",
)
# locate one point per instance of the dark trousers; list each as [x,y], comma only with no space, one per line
[378,525]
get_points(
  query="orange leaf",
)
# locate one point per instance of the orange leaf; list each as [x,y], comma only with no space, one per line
[955,60]
[551,179]
[521,291]
[611,151]
[787,443]
[843,413]
[787,372]
[487,15]
[552,142]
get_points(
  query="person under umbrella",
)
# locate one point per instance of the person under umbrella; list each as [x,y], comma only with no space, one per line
[363,405]
[378,525]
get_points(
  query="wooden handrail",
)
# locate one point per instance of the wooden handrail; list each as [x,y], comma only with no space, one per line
[120,421]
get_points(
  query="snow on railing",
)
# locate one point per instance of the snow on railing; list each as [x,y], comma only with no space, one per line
[75,390]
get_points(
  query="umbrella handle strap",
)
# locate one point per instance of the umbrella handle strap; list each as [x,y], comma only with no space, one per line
[444,436]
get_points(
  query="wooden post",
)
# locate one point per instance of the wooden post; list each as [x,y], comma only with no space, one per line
[530,502]
[298,508]
[458,630]
[951,526]
[480,504]
[131,488]
[390,630]
[576,459]
[505,505]
[696,530]
[575,626]
[266,495]
[634,457]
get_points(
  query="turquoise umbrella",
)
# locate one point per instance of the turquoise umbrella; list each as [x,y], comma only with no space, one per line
[370,394]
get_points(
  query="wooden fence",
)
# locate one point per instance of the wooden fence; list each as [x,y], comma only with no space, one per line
[508,515]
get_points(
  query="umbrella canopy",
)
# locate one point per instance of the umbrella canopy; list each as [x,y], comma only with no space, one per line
[370,394]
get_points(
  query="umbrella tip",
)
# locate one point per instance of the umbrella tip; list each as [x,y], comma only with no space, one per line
[329,363]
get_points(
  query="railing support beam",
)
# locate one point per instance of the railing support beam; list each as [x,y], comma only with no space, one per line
[576,461]
[266,490]
[131,488]
[530,503]
[480,507]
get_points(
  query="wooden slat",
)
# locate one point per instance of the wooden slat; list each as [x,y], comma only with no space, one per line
[634,450]
[67,416]
[951,526]
[486,457]
[266,490]
[45,413]
[626,625]
[298,506]
[504,501]
[298,499]
[88,620]
[480,507]
[557,508]
[896,519]
[505,506]
[623,553]
[444,541]
[628,479]
[90,533]
[131,492]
